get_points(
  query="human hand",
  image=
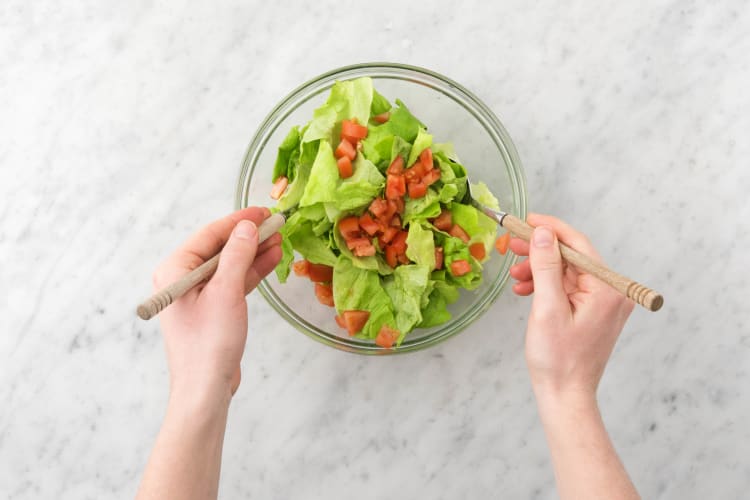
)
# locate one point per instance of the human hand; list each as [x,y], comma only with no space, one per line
[205,330]
[575,319]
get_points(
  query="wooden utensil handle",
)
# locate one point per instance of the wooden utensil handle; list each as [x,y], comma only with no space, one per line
[641,294]
[161,299]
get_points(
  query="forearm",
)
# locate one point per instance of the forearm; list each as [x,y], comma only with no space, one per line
[585,461]
[186,458]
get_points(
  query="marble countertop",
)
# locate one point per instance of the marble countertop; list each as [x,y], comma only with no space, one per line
[124,124]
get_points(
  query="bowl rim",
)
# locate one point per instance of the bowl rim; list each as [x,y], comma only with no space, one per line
[459,94]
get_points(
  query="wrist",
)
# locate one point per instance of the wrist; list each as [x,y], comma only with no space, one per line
[558,401]
[201,395]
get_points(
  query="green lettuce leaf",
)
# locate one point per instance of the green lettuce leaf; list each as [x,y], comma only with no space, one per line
[379,104]
[361,289]
[422,208]
[287,257]
[362,187]
[311,246]
[478,226]
[422,142]
[420,246]
[324,177]
[455,249]
[303,166]
[405,288]
[483,195]
[283,166]
[348,99]
[377,146]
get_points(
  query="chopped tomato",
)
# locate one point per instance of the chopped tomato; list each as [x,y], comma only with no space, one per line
[399,241]
[444,221]
[459,233]
[460,267]
[364,250]
[438,257]
[353,243]
[320,273]
[301,268]
[382,117]
[388,235]
[399,205]
[417,189]
[412,174]
[386,337]
[349,227]
[395,221]
[477,251]
[403,259]
[367,223]
[397,166]
[425,158]
[501,244]
[279,187]
[392,209]
[355,320]
[431,177]
[324,293]
[353,131]
[340,321]
[345,148]
[395,186]
[378,207]
[391,256]
[345,167]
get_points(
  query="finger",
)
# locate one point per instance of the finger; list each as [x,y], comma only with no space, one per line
[519,246]
[550,301]
[274,239]
[263,265]
[237,257]
[523,288]
[204,244]
[521,271]
[565,233]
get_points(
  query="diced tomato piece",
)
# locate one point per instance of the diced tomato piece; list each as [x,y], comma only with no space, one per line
[353,131]
[345,148]
[301,268]
[412,175]
[399,205]
[364,250]
[392,208]
[279,187]
[417,190]
[353,243]
[388,235]
[438,257]
[382,117]
[386,337]
[403,259]
[355,320]
[501,244]
[378,207]
[340,321]
[345,167]
[391,256]
[460,267]
[396,221]
[459,233]
[425,158]
[399,241]
[397,166]
[477,250]
[444,221]
[431,177]
[395,186]
[320,273]
[349,227]
[367,223]
[324,293]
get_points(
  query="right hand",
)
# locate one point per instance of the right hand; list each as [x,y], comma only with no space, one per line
[575,319]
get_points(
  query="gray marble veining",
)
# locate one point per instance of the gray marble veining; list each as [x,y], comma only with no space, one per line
[123,126]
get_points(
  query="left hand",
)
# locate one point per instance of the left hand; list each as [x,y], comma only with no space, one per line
[205,330]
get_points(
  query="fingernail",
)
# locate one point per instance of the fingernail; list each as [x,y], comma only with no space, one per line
[245,230]
[543,237]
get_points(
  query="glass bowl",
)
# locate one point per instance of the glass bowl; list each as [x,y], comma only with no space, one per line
[452,114]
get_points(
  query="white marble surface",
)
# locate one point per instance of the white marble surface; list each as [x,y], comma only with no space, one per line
[123,125]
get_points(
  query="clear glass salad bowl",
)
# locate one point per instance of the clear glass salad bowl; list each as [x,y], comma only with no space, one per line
[452,114]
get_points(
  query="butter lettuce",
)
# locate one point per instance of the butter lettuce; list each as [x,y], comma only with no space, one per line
[362,289]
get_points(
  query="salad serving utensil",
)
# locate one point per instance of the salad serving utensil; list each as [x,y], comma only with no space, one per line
[161,299]
[633,290]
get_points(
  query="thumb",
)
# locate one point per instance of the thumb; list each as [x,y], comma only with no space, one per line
[236,258]
[550,298]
